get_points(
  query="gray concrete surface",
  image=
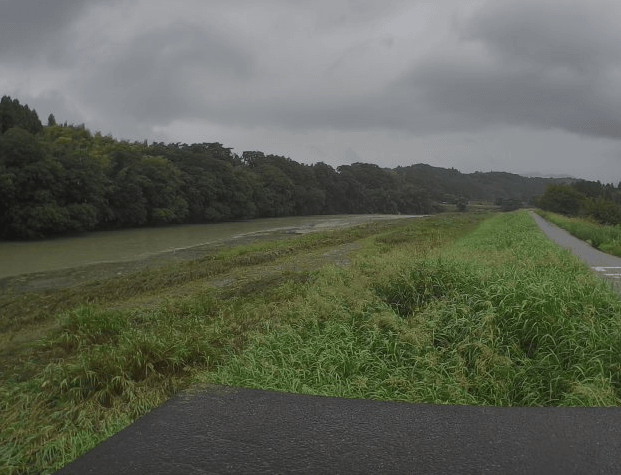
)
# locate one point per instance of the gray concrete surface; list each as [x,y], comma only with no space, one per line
[238,431]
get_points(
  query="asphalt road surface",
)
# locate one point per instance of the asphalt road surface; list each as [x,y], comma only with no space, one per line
[234,431]
[237,431]
[605,265]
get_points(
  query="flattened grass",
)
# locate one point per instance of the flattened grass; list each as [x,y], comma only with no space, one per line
[18,310]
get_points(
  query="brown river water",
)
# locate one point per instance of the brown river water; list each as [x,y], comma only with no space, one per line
[17,258]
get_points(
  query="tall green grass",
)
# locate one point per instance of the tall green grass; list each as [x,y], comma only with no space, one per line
[604,237]
[453,309]
[502,317]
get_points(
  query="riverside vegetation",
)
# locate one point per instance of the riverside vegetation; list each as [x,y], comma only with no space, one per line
[454,309]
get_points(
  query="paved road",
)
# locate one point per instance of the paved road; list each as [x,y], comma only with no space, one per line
[225,430]
[236,431]
[605,265]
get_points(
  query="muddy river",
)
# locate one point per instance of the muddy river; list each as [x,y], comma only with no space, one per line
[18,258]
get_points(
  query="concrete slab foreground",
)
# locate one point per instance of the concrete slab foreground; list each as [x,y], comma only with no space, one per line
[226,430]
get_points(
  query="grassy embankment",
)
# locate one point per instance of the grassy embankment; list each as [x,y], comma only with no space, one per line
[602,237]
[429,311]
[78,364]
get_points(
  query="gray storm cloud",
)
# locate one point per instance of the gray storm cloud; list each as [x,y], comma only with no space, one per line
[166,73]
[36,31]
[410,77]
[530,63]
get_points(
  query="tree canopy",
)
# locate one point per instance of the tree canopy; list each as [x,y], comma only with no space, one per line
[63,179]
[601,202]
[13,114]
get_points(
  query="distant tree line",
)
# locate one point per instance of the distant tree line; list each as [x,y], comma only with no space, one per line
[592,199]
[63,179]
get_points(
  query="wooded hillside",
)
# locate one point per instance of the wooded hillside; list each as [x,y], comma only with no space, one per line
[62,179]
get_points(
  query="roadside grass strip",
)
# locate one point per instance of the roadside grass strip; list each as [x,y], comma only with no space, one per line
[502,317]
[606,238]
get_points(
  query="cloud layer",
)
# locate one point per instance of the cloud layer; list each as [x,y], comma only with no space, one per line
[515,85]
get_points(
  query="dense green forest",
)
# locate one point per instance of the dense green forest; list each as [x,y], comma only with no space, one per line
[591,199]
[61,178]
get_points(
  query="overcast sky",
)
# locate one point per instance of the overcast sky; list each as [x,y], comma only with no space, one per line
[524,86]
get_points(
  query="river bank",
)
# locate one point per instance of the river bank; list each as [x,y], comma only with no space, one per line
[64,262]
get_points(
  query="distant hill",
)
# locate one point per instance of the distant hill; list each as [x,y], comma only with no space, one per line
[447,184]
